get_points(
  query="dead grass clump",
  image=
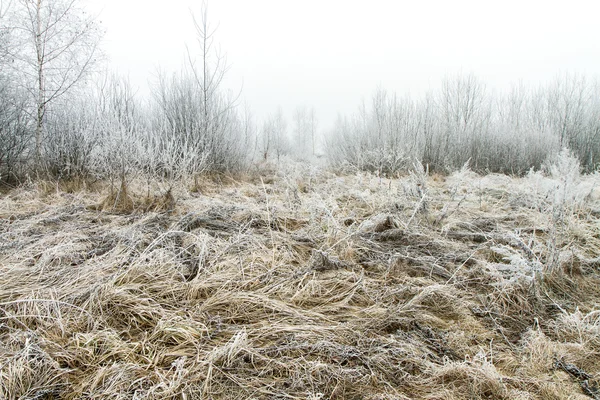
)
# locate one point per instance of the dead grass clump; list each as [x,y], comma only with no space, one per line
[178,331]
[438,300]
[96,348]
[560,366]
[582,330]
[51,316]
[320,261]
[118,200]
[415,268]
[570,290]
[476,379]
[379,223]
[513,309]
[331,292]
[159,203]
[212,182]
[125,202]
[116,380]
[27,371]
[129,311]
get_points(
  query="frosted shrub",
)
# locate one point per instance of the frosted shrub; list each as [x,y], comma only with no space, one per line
[565,166]
[565,169]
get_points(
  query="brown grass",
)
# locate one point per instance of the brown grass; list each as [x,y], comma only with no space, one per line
[305,285]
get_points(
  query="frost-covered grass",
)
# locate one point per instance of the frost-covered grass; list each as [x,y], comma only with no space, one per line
[298,283]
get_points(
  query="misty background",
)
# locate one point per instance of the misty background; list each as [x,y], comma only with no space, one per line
[333,54]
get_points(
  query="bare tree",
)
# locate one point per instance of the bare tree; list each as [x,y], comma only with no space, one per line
[217,106]
[210,74]
[465,112]
[567,99]
[280,134]
[58,45]
[274,139]
[197,118]
[266,140]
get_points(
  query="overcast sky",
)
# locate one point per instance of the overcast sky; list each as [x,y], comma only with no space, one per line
[331,54]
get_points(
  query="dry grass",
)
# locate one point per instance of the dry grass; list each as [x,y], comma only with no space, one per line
[305,285]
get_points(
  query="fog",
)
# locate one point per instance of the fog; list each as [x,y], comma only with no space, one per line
[332,54]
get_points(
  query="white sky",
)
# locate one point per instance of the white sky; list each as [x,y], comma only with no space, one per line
[331,54]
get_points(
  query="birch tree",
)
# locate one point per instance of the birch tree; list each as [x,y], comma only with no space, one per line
[57,47]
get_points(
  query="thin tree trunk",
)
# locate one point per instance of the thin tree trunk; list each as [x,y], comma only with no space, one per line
[41,106]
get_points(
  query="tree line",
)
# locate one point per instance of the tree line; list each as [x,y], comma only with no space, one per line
[465,122]
[63,116]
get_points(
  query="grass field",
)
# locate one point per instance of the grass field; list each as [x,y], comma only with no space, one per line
[303,284]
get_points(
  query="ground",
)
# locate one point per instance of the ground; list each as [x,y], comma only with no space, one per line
[299,283]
